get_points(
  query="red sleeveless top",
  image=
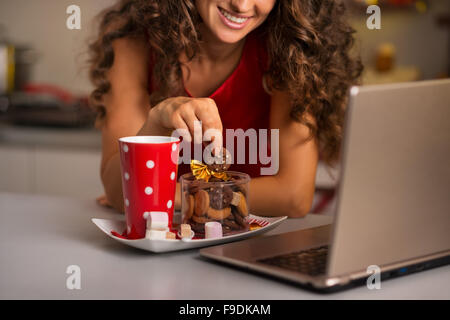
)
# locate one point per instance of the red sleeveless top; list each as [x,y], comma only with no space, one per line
[243,103]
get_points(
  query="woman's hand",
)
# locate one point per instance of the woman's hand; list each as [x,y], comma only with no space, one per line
[181,113]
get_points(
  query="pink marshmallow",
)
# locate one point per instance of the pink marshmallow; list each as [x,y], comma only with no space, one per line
[213,230]
[157,220]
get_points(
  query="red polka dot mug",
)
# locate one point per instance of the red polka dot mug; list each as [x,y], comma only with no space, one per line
[149,167]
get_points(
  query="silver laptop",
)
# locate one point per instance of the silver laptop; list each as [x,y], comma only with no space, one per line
[393,205]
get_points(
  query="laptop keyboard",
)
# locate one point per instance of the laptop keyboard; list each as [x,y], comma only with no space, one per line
[311,262]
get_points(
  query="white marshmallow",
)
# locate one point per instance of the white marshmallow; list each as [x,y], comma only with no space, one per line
[156,234]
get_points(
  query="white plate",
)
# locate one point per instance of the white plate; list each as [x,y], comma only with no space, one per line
[107,226]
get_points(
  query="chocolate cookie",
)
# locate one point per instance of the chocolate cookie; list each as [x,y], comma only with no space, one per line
[220,197]
[226,229]
[221,162]
[240,220]
[197,227]
[231,224]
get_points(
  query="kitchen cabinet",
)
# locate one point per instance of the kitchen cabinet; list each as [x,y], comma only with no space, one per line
[67,172]
[16,169]
[50,161]
[52,171]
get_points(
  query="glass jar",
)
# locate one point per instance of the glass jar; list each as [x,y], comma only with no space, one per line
[223,201]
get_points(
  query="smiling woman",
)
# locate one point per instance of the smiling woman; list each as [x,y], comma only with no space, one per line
[256,64]
[231,25]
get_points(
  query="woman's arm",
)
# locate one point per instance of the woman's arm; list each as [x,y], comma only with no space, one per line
[127,105]
[291,191]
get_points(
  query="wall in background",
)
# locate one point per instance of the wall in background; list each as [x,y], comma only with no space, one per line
[418,39]
[42,25]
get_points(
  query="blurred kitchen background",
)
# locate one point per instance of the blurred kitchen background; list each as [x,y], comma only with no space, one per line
[47,141]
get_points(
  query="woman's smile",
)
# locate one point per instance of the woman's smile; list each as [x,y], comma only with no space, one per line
[232,20]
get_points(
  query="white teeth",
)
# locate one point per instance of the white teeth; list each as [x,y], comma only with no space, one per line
[233,18]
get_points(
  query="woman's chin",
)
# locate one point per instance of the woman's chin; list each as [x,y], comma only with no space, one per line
[230,36]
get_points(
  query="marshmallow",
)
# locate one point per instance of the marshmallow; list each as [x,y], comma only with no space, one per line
[156,234]
[157,220]
[186,231]
[213,230]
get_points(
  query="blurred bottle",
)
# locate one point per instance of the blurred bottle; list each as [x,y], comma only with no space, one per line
[7,68]
[385,57]
[15,64]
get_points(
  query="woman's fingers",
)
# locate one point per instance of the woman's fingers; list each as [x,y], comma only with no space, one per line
[167,112]
[208,114]
[184,114]
[180,125]
[187,112]
[202,111]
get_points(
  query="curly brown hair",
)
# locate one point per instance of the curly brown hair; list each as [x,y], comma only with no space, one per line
[308,44]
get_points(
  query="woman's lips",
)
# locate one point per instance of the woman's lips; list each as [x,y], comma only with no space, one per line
[233,21]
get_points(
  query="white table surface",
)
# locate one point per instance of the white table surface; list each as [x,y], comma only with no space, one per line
[41,236]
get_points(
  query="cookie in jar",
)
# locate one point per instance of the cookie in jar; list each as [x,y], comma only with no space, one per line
[211,194]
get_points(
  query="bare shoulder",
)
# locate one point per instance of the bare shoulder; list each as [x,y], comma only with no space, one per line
[131,62]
